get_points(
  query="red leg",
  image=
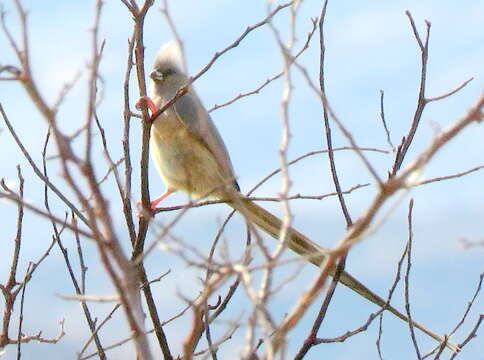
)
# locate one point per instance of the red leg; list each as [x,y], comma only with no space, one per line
[146,100]
[155,202]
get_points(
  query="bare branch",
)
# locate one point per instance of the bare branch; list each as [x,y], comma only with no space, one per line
[38,172]
[382,116]
[472,335]
[421,102]
[259,198]
[450,93]
[271,79]
[347,134]
[449,177]
[407,279]
[14,197]
[469,305]
[138,241]
[57,238]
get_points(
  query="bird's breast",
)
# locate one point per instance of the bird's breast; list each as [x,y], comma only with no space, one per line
[184,161]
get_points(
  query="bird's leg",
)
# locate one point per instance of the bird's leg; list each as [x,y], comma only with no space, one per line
[163,196]
[155,202]
[146,100]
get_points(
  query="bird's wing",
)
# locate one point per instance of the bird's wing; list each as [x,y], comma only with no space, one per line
[191,112]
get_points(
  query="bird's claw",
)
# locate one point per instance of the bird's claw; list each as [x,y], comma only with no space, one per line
[146,101]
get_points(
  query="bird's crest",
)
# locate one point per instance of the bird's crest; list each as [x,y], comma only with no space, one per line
[170,56]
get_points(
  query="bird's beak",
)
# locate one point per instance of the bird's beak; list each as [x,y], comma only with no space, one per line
[156,75]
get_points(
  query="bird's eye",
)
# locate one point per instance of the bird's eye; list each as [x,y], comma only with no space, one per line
[161,74]
[168,72]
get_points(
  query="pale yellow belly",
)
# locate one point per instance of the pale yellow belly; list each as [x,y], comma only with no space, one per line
[183,161]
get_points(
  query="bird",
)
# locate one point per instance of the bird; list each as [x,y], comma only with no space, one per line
[190,156]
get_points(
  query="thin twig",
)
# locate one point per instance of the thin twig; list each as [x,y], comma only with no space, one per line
[382,116]
[469,305]
[9,294]
[310,340]
[407,280]
[450,93]
[347,134]
[421,101]
[38,172]
[449,177]
[128,169]
[57,238]
[261,198]
[472,335]
[271,79]
[15,198]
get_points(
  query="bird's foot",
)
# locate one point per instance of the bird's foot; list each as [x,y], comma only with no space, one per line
[153,203]
[149,212]
[146,101]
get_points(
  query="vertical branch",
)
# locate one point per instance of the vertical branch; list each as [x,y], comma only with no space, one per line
[128,169]
[139,17]
[421,101]
[21,313]
[129,290]
[18,237]
[139,48]
[324,307]
[407,280]
[286,135]
[327,126]
[82,266]
[382,116]
[311,339]
[138,42]
[13,288]
[92,81]
[8,289]
[215,282]
[286,182]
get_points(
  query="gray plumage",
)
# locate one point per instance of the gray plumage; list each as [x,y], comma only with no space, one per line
[168,77]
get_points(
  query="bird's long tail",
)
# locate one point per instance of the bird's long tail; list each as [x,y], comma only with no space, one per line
[316,255]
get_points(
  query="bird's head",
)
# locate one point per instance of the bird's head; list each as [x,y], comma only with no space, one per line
[168,62]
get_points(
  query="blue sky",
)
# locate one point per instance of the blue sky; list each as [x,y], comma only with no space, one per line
[370,47]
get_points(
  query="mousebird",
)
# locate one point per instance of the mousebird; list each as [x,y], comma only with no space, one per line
[191,156]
